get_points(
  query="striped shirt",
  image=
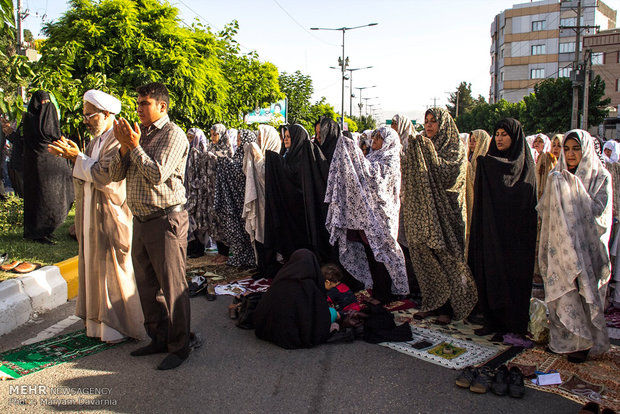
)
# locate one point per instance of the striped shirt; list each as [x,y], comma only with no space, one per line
[154,169]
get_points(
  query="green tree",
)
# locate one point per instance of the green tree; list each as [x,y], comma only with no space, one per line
[484,115]
[253,84]
[465,100]
[298,90]
[118,45]
[319,109]
[28,37]
[549,107]
[365,122]
[14,69]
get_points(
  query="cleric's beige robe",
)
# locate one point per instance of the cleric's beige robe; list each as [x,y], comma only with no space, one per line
[108,299]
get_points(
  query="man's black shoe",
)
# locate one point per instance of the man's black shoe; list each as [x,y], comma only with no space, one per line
[170,362]
[150,349]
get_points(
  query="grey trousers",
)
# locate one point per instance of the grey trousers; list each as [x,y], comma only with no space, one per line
[158,253]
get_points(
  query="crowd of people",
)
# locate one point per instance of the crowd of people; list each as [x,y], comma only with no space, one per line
[467,225]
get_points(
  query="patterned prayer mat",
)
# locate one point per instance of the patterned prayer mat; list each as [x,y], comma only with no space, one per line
[597,379]
[242,286]
[456,329]
[445,350]
[34,357]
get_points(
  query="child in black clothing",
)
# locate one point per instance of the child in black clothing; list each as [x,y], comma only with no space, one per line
[338,294]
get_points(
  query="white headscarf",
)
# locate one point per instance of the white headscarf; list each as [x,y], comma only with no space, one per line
[364,194]
[254,170]
[404,130]
[576,217]
[613,146]
[232,136]
[103,101]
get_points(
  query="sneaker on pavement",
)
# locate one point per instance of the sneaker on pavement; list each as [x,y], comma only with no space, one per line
[482,381]
[516,388]
[465,378]
[500,382]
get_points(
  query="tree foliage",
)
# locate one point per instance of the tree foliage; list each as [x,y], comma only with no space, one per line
[298,90]
[465,99]
[118,45]
[14,69]
[365,122]
[549,107]
[484,115]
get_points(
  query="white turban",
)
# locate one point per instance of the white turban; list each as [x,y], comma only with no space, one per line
[103,101]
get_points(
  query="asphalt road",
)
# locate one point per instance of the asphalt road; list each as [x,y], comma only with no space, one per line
[234,372]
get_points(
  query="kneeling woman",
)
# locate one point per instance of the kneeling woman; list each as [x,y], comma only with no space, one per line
[363,197]
[574,261]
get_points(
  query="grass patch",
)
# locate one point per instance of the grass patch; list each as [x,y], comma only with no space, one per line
[12,238]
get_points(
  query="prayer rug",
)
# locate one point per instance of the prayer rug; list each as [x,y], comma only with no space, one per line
[597,379]
[243,286]
[34,357]
[442,349]
[456,329]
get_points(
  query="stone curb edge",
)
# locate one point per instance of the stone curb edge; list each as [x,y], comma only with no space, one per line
[42,290]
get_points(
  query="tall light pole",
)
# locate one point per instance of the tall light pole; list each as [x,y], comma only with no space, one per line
[343,62]
[366,103]
[361,89]
[351,85]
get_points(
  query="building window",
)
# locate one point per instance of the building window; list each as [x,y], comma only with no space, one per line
[567,47]
[568,21]
[501,53]
[538,50]
[538,25]
[617,85]
[501,76]
[537,73]
[598,58]
[565,72]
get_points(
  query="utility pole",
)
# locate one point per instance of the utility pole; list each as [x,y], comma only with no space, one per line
[575,114]
[21,91]
[586,88]
[577,65]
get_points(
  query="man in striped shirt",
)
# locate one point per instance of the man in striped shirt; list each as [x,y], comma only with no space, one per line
[152,158]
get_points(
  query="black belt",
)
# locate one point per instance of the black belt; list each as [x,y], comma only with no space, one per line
[172,209]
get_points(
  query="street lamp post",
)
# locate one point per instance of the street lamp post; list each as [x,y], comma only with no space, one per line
[361,89]
[351,86]
[343,62]
[366,103]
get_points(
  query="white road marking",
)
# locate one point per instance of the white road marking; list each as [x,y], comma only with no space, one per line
[53,330]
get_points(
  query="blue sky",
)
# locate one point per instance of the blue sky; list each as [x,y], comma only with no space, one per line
[420,50]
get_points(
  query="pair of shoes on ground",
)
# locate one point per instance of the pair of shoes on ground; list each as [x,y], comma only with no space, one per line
[197,285]
[594,408]
[508,382]
[171,360]
[502,382]
[18,266]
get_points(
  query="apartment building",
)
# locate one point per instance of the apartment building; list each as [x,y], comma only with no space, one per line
[533,41]
[604,51]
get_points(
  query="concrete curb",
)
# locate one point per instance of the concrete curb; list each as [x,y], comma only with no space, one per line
[39,291]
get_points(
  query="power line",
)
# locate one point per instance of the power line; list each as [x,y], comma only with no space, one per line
[210,24]
[302,26]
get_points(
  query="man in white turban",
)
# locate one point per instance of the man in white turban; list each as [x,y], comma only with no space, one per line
[108,299]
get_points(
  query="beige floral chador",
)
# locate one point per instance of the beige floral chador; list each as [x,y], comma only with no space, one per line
[434,211]
[575,212]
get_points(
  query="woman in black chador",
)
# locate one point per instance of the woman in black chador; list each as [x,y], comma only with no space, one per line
[48,186]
